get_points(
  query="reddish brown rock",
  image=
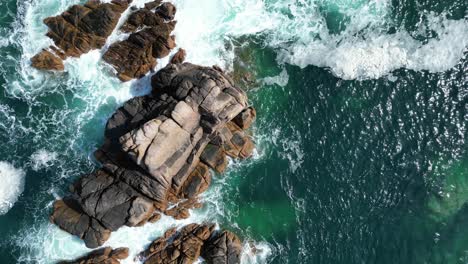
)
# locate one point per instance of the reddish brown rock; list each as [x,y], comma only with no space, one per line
[179,57]
[181,210]
[150,39]
[101,256]
[191,242]
[222,248]
[83,28]
[46,60]
[80,29]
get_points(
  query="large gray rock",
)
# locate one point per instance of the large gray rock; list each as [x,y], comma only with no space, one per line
[155,153]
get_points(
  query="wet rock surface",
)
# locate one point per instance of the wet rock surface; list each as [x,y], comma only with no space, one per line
[150,39]
[78,30]
[83,28]
[105,255]
[46,60]
[191,242]
[158,153]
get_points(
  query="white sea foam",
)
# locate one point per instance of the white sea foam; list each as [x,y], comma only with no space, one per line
[46,243]
[299,32]
[42,159]
[351,57]
[12,185]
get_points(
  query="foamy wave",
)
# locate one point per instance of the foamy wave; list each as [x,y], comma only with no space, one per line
[42,159]
[12,185]
[255,253]
[350,57]
[298,30]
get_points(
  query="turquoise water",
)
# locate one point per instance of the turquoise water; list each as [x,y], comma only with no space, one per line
[361,131]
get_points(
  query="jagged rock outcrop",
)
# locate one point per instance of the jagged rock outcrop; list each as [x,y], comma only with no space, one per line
[105,255]
[191,242]
[150,39]
[157,153]
[79,30]
[46,60]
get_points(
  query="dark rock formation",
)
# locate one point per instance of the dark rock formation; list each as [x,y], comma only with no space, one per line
[101,256]
[150,39]
[194,241]
[79,30]
[157,153]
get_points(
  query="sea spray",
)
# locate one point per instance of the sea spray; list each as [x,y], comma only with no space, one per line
[299,32]
[11,187]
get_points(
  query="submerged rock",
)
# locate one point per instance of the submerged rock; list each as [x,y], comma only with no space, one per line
[150,39]
[105,255]
[157,153]
[191,242]
[78,30]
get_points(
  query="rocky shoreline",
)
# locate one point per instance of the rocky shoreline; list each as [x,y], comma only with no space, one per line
[186,245]
[160,149]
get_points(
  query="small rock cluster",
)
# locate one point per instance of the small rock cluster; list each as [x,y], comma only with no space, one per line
[194,241]
[79,30]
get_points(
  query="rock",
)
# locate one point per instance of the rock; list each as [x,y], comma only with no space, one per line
[245,119]
[215,157]
[80,29]
[152,5]
[120,253]
[157,152]
[222,248]
[179,57]
[68,216]
[154,218]
[192,241]
[197,182]
[150,39]
[167,11]
[181,210]
[101,256]
[46,60]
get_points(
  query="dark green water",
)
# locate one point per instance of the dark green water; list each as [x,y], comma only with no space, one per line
[347,171]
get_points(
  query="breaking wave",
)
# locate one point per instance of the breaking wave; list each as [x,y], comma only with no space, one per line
[12,186]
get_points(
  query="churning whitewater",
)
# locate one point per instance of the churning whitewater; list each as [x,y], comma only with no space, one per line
[56,135]
[12,186]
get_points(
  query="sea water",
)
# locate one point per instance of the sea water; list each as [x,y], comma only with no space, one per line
[361,133]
